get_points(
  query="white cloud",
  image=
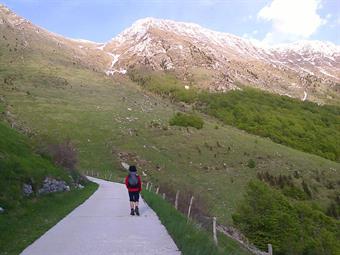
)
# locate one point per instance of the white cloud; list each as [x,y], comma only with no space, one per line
[291,19]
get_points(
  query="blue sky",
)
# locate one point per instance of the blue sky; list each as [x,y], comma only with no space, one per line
[271,21]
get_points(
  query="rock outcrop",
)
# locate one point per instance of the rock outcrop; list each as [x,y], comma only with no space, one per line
[51,185]
[27,190]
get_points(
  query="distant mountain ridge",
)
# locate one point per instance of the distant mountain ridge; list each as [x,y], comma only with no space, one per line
[208,59]
[297,69]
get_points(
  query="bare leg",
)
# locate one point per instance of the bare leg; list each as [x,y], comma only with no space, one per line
[132,205]
[136,208]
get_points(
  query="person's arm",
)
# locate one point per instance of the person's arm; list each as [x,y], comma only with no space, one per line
[127,182]
[140,183]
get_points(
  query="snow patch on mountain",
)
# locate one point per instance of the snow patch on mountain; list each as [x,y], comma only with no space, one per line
[83,41]
[328,49]
[112,71]
[166,44]
[210,39]
[115,58]
[304,96]
[101,47]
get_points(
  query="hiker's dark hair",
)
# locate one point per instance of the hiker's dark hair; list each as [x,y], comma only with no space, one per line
[132,169]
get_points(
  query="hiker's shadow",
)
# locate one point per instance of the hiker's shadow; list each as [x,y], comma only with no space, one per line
[145,210]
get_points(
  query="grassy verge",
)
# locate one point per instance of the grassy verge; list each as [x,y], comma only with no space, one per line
[33,217]
[190,239]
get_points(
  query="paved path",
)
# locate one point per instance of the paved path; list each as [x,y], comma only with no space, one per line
[102,226]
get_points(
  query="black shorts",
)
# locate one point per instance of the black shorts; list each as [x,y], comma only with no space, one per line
[134,196]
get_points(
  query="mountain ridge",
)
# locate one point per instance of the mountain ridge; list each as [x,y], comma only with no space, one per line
[207,59]
[295,69]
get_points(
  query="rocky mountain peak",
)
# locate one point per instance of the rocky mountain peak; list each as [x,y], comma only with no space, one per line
[199,56]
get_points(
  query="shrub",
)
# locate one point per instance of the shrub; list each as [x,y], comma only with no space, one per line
[294,192]
[64,155]
[186,120]
[251,163]
[333,210]
[266,216]
[302,125]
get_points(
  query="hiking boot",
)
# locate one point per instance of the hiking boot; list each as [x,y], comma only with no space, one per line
[137,211]
[132,212]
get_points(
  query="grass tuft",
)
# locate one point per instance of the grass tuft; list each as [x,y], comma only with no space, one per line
[186,120]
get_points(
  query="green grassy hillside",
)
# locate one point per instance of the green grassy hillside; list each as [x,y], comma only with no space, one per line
[19,165]
[113,120]
[25,219]
[301,125]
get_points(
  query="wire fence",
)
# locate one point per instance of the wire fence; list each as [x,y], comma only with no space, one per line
[193,206]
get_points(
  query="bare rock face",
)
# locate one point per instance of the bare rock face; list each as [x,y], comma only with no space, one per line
[2,210]
[191,52]
[51,185]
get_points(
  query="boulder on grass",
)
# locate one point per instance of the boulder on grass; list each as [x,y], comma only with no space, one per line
[51,185]
[27,189]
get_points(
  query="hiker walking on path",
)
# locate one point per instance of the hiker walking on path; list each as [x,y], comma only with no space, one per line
[133,183]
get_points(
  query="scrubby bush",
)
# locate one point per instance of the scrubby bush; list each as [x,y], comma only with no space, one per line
[251,163]
[64,155]
[302,125]
[333,210]
[292,227]
[186,120]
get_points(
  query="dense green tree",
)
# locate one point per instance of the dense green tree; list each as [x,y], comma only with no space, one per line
[292,227]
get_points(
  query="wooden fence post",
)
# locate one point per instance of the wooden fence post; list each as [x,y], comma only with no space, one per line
[214,231]
[147,186]
[110,177]
[189,210]
[150,187]
[163,195]
[270,249]
[157,190]
[176,201]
